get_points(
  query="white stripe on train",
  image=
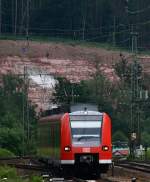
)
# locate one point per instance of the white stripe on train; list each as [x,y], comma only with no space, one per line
[104,161]
[85,124]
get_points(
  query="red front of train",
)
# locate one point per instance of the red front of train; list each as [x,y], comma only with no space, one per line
[86,138]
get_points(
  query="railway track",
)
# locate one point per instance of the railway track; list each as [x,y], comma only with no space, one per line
[22,162]
[81,180]
[76,180]
[143,167]
[29,163]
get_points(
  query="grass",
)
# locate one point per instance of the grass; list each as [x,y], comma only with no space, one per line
[9,174]
[68,41]
[47,152]
[6,153]
[148,154]
[143,157]
[46,39]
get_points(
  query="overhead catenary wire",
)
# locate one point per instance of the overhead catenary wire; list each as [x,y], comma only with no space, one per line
[80,29]
[67,30]
[59,29]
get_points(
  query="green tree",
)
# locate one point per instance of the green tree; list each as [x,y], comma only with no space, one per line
[145,138]
[120,136]
[97,90]
[13,128]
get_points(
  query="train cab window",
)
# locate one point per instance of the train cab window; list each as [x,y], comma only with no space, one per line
[86,130]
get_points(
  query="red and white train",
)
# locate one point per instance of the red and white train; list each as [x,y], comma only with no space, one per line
[77,139]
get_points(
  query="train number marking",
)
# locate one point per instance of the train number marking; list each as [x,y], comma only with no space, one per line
[86,150]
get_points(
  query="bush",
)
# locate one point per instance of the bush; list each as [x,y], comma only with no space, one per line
[7,172]
[148,154]
[36,179]
[6,153]
[119,136]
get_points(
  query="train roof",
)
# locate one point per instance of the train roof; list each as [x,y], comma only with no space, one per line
[85,112]
[55,117]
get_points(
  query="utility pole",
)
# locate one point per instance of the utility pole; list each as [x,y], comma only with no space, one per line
[12,15]
[26,118]
[114,32]
[27,20]
[83,28]
[22,8]
[27,104]
[134,112]
[84,11]
[16,15]
[23,112]
[134,43]
[135,83]
[22,17]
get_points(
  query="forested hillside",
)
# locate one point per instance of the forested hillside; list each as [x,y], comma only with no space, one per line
[116,81]
[109,21]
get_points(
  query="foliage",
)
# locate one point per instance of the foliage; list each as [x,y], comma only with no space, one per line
[13,128]
[115,99]
[99,20]
[145,138]
[63,91]
[125,98]
[123,70]
[6,153]
[97,90]
[11,139]
[36,179]
[146,124]
[66,92]
[8,172]
[119,136]
[94,90]
[148,154]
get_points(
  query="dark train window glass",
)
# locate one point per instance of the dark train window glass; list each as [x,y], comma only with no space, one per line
[86,117]
[86,130]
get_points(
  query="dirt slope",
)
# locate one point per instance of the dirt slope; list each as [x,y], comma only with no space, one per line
[72,61]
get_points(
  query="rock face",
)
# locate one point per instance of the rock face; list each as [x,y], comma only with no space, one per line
[39,71]
[41,62]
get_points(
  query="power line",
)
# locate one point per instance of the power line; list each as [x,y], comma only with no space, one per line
[59,29]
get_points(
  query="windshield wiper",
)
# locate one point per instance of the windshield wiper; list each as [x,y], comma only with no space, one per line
[86,137]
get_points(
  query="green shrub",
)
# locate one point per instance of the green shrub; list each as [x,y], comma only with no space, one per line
[148,155]
[6,153]
[119,136]
[36,179]
[8,172]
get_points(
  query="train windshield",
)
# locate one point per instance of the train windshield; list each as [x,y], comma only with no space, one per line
[86,130]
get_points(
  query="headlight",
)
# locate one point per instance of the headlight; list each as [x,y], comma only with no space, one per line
[105,148]
[67,149]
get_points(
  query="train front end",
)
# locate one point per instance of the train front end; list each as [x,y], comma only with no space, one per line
[86,140]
